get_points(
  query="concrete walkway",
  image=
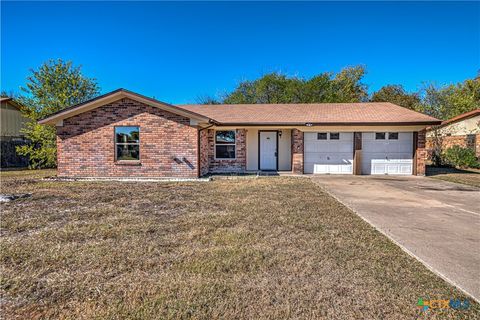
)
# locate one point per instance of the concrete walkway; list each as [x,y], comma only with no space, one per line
[436,221]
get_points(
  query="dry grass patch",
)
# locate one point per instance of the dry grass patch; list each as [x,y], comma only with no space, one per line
[470,177]
[251,248]
[22,174]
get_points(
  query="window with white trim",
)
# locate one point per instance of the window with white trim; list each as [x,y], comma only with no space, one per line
[127,143]
[379,135]
[225,144]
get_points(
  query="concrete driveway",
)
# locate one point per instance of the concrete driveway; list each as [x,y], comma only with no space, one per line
[436,221]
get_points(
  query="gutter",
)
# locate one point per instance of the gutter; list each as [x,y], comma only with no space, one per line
[312,124]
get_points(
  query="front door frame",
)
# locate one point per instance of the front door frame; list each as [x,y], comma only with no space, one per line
[259,151]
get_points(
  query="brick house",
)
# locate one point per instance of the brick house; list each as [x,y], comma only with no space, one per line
[462,130]
[125,134]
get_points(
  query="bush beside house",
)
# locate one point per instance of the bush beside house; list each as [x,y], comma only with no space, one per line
[460,157]
[456,142]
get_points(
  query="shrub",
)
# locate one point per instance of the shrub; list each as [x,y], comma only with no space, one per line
[460,157]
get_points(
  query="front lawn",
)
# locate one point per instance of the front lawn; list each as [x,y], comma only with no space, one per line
[469,177]
[254,248]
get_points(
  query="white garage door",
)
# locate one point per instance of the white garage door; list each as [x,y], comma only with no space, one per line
[328,152]
[387,153]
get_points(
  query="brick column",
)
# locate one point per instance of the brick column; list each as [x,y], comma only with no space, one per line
[420,153]
[203,158]
[357,153]
[297,151]
[241,145]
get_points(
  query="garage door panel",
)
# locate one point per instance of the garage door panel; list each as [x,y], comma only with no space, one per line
[309,136]
[399,156]
[378,168]
[387,156]
[405,136]
[399,147]
[371,146]
[406,169]
[328,168]
[402,136]
[387,166]
[339,147]
[367,136]
[329,156]
[399,168]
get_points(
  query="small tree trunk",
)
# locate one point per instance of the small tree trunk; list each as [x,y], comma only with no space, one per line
[437,147]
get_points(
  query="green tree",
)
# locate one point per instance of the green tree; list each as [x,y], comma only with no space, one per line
[271,88]
[206,99]
[449,101]
[10,94]
[318,89]
[396,94]
[445,103]
[57,84]
[346,86]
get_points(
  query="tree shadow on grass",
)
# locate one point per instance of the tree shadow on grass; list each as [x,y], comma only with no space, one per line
[433,171]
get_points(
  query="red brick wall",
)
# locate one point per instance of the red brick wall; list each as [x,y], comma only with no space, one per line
[450,141]
[168,144]
[421,153]
[297,151]
[226,165]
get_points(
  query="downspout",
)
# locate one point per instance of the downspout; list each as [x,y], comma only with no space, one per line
[198,147]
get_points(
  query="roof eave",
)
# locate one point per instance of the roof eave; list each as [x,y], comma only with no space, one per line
[13,102]
[462,117]
[114,96]
[313,124]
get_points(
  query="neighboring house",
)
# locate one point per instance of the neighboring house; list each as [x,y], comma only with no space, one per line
[124,134]
[462,130]
[12,122]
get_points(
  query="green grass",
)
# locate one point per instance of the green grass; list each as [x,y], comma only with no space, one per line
[263,248]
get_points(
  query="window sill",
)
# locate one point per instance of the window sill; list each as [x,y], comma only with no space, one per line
[128,163]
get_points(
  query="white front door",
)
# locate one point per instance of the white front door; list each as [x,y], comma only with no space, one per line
[268,150]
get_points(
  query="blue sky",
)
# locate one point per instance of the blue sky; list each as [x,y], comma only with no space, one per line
[178,51]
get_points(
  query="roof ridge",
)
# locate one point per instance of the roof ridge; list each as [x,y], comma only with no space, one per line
[293,103]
